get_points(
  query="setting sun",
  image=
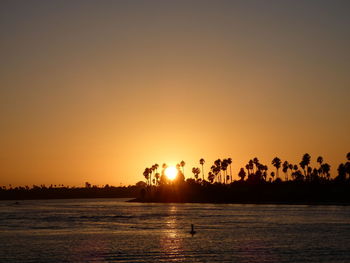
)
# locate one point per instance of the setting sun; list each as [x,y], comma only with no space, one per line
[171,172]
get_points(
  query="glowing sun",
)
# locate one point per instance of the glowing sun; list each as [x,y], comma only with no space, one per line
[171,172]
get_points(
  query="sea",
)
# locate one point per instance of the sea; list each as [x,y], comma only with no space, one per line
[113,230]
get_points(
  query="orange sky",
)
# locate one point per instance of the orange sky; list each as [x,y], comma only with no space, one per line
[98,90]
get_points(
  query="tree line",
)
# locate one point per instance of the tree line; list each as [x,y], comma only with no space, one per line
[220,172]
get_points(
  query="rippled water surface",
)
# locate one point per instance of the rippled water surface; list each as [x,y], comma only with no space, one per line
[110,230]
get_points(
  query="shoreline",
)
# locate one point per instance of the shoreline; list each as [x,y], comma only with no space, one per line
[314,203]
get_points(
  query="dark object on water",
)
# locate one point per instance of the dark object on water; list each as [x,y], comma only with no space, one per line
[192,232]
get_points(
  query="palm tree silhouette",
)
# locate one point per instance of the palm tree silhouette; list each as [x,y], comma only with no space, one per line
[146,175]
[182,164]
[211,177]
[218,168]
[325,168]
[202,161]
[157,175]
[304,164]
[272,175]
[242,174]
[256,162]
[290,166]
[196,172]
[277,163]
[224,165]
[229,161]
[285,167]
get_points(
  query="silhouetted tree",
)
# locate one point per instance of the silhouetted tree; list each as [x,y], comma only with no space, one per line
[182,164]
[229,161]
[277,163]
[242,174]
[196,171]
[304,164]
[285,167]
[201,162]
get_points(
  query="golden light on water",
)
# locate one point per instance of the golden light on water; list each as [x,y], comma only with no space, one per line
[171,172]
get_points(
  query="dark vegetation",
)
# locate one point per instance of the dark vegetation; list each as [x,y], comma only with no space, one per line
[65,192]
[299,183]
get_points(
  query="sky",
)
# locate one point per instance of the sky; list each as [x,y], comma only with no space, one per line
[98,90]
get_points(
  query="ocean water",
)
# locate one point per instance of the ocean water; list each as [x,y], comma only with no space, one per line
[112,230]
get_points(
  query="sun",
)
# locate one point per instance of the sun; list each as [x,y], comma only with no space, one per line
[171,172]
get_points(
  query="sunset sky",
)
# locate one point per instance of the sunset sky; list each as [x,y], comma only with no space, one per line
[98,90]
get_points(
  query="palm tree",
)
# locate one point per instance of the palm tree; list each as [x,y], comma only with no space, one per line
[146,175]
[229,161]
[247,167]
[157,175]
[182,164]
[325,168]
[256,162]
[201,162]
[277,163]
[153,168]
[290,166]
[218,168]
[285,166]
[251,165]
[211,177]
[224,165]
[304,164]
[242,174]
[196,172]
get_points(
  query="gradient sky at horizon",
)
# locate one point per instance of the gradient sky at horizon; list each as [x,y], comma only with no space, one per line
[98,90]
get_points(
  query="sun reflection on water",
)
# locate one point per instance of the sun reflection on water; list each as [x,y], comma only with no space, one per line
[171,241]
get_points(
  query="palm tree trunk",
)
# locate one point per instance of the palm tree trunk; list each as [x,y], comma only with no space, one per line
[202,172]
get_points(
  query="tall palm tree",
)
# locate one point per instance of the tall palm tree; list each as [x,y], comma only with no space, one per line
[224,166]
[229,161]
[277,163]
[256,162]
[146,175]
[285,167]
[218,168]
[182,164]
[202,161]
[153,168]
[304,164]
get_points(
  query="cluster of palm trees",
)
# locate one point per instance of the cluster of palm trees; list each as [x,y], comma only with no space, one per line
[161,178]
[148,172]
[344,170]
[218,171]
[255,171]
[258,172]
